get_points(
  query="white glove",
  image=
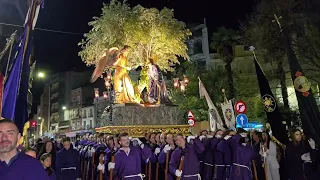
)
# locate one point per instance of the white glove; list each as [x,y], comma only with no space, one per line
[312,143]
[264,154]
[101,167]
[166,148]
[189,138]
[243,134]
[85,148]
[157,151]
[218,136]
[227,137]
[202,137]
[270,132]
[178,173]
[209,136]
[137,139]
[147,160]
[130,138]
[111,165]
[306,157]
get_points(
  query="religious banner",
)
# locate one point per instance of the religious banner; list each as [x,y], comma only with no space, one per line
[228,114]
[274,118]
[1,93]
[310,116]
[212,108]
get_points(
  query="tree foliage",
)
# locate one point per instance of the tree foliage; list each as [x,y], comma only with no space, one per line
[223,42]
[262,31]
[214,80]
[151,34]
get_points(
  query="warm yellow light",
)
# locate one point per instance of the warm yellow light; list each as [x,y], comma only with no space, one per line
[41,75]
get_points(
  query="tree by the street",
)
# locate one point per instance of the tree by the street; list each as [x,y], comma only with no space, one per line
[151,34]
[223,42]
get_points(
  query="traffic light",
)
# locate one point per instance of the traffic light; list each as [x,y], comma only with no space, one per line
[33,124]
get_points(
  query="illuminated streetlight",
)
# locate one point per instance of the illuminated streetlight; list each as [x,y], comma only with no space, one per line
[64,108]
[176,82]
[182,86]
[105,95]
[39,118]
[41,75]
[185,79]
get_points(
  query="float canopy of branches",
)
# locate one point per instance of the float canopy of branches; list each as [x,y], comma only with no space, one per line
[151,34]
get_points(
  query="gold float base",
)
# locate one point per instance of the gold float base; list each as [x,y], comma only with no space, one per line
[141,130]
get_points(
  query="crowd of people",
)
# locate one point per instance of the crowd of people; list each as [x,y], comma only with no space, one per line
[239,155]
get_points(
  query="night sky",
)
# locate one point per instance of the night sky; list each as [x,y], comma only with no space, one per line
[56,52]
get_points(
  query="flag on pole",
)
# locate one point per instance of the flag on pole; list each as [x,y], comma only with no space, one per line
[15,93]
[274,117]
[228,114]
[213,113]
[309,111]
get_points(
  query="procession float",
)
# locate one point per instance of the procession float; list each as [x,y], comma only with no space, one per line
[135,40]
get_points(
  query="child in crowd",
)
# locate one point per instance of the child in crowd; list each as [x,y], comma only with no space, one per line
[46,162]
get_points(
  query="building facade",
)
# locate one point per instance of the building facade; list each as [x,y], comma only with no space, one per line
[56,99]
[88,118]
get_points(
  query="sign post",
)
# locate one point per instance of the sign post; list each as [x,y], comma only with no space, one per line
[240,107]
[191,120]
[242,120]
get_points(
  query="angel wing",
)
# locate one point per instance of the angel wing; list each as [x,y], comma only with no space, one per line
[106,60]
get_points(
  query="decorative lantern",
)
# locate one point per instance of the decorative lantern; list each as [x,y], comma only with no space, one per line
[105,95]
[182,86]
[96,92]
[176,82]
[109,75]
[108,84]
[186,80]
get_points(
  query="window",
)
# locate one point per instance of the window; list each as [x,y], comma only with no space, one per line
[90,124]
[84,115]
[84,124]
[91,113]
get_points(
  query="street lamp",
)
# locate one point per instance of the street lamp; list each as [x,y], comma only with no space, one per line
[39,118]
[41,75]
[64,107]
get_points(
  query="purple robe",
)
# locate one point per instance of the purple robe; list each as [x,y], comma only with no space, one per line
[207,167]
[241,167]
[162,161]
[296,167]
[219,160]
[224,149]
[191,161]
[22,167]
[130,164]
[68,159]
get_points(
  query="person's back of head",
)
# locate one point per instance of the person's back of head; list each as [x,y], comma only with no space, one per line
[30,151]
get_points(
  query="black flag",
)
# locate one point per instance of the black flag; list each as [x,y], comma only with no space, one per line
[309,111]
[274,117]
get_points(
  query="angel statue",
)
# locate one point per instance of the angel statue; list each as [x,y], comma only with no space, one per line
[117,59]
[158,93]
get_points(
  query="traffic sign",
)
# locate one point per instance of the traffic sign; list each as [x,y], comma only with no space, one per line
[240,107]
[191,122]
[242,119]
[190,115]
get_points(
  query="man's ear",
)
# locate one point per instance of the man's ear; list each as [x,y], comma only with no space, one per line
[18,140]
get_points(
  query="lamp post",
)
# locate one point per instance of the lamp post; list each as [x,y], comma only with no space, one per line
[183,86]
[107,95]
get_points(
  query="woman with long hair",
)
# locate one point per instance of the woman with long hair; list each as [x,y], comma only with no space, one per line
[46,163]
[49,147]
[269,153]
[300,158]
